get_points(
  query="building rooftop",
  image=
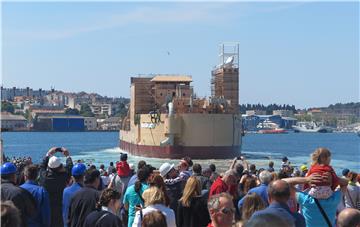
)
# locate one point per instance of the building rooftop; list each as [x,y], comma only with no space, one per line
[171,78]
[11,117]
[60,116]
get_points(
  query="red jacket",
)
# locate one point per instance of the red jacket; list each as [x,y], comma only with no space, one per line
[321,169]
[123,169]
[218,187]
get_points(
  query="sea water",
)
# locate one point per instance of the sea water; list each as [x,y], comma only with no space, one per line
[102,147]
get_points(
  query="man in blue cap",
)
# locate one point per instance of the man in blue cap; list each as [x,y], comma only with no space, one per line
[42,217]
[77,172]
[21,198]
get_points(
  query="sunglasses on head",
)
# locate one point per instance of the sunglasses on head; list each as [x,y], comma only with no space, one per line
[227,210]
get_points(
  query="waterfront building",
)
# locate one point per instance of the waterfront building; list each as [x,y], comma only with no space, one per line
[250,122]
[45,110]
[100,108]
[255,112]
[90,123]
[11,122]
[59,123]
[284,113]
[110,124]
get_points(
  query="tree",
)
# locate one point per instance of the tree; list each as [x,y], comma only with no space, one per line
[85,110]
[7,107]
[72,111]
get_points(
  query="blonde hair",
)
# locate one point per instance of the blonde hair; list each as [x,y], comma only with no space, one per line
[252,203]
[319,154]
[153,195]
[192,189]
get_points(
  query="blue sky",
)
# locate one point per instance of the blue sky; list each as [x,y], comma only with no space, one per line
[305,54]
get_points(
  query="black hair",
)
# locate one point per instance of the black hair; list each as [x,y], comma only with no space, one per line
[141,164]
[271,164]
[212,167]
[111,163]
[197,168]
[78,177]
[239,169]
[188,160]
[31,172]
[142,174]
[91,175]
[252,168]
[8,176]
[102,166]
[123,157]
[106,196]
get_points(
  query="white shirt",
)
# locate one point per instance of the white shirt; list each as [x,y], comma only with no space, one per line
[167,212]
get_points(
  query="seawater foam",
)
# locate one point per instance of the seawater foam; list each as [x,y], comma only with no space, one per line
[260,159]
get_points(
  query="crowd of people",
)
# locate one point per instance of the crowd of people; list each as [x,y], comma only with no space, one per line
[183,195]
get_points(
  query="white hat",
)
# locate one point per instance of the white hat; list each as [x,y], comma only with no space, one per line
[165,169]
[132,166]
[54,162]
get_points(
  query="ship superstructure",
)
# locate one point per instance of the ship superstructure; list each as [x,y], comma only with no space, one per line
[166,119]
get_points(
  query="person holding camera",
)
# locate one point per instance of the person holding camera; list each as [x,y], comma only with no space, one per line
[54,177]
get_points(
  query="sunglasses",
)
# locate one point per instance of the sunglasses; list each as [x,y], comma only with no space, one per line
[227,210]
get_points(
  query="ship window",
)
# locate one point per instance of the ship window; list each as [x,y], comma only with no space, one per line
[173,94]
[160,94]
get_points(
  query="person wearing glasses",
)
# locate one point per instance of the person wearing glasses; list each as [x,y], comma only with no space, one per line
[221,210]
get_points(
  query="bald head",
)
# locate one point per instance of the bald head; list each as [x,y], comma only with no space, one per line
[279,191]
[349,217]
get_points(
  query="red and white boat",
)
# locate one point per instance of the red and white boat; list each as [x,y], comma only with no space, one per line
[269,127]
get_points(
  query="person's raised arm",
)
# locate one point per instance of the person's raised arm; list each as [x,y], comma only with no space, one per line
[232,166]
[69,162]
[312,179]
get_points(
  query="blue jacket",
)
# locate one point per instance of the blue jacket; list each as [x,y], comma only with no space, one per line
[69,192]
[260,190]
[41,196]
[283,211]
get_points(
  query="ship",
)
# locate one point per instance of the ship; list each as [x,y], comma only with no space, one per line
[166,119]
[269,127]
[310,127]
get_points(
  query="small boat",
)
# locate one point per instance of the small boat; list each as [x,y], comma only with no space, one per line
[269,127]
[310,127]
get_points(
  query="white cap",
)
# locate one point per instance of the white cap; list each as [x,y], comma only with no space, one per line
[54,162]
[132,166]
[165,169]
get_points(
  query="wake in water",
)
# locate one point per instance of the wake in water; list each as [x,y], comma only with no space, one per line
[260,159]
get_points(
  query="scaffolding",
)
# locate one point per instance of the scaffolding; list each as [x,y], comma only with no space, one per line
[225,76]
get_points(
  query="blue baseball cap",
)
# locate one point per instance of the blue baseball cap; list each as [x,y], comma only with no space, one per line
[7,168]
[345,172]
[78,169]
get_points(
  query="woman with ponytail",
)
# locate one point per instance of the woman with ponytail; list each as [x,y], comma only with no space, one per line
[133,196]
[107,208]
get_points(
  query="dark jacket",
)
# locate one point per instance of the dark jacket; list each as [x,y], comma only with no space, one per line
[204,181]
[21,198]
[196,215]
[81,205]
[174,192]
[102,219]
[55,182]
